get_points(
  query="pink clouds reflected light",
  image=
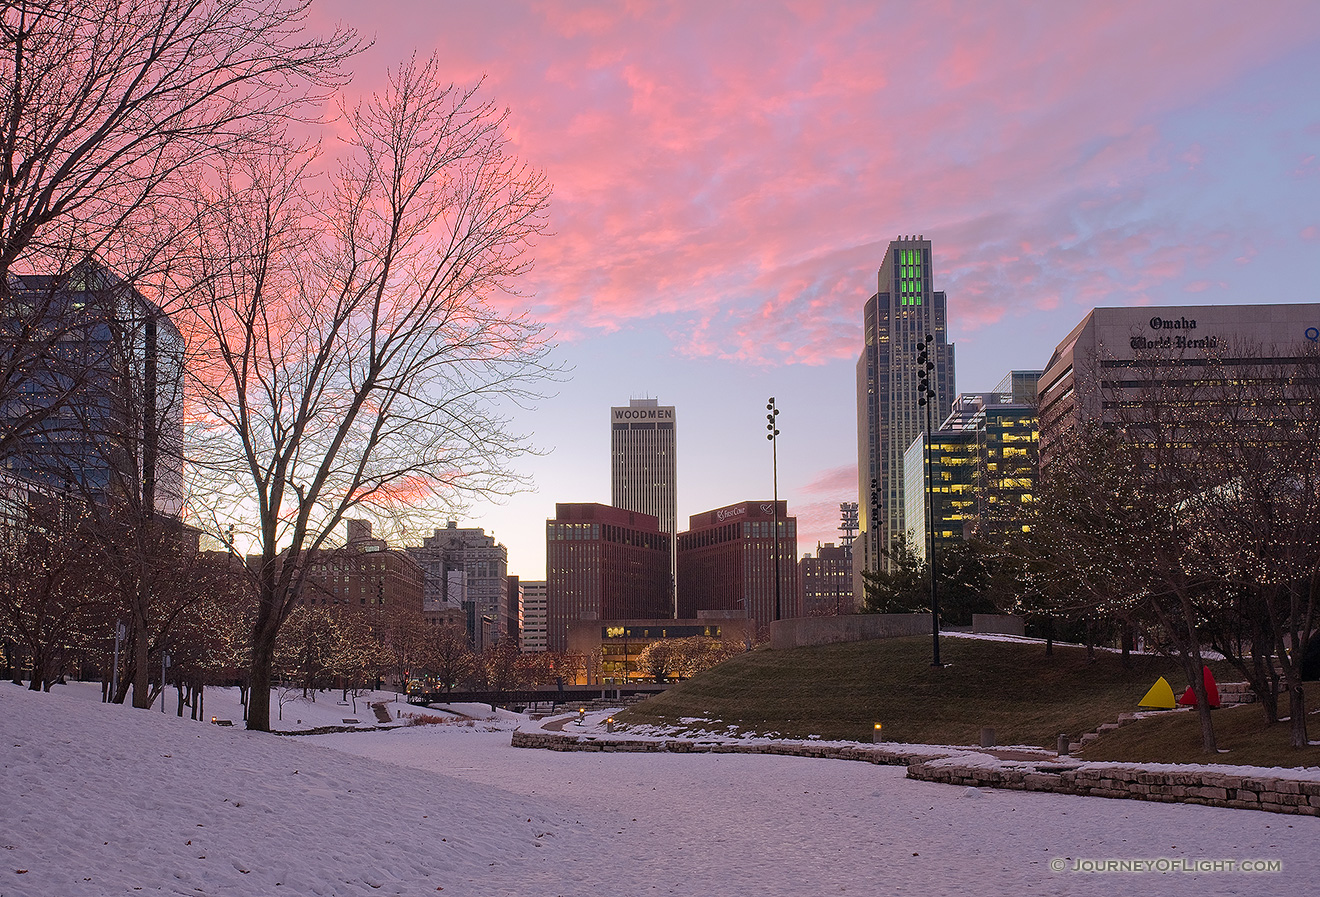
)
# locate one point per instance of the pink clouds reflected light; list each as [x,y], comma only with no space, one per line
[712,162]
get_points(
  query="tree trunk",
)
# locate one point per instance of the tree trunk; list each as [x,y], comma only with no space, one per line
[1264,682]
[1195,669]
[1297,709]
[263,656]
[42,661]
[141,648]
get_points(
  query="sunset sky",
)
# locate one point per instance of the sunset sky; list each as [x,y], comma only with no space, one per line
[727,177]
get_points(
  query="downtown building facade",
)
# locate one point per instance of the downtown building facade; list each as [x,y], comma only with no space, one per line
[727,562]
[982,467]
[365,577]
[825,580]
[1120,366]
[97,415]
[467,579]
[533,639]
[604,563]
[904,314]
[644,470]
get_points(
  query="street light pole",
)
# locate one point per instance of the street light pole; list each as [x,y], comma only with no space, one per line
[926,393]
[774,513]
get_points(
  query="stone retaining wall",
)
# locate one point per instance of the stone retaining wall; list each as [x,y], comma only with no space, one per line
[1216,789]
[888,755]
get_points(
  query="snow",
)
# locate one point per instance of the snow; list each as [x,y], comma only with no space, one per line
[103,800]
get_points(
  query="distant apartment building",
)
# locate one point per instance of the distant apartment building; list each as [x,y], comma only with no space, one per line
[467,571]
[534,616]
[603,563]
[644,468]
[726,562]
[826,581]
[365,576]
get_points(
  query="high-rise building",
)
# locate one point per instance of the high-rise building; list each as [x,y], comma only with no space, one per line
[982,465]
[952,467]
[513,608]
[534,616]
[726,562]
[644,470]
[97,411]
[903,315]
[467,569]
[603,563]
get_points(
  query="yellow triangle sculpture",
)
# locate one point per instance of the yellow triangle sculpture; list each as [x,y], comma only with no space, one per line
[1160,696]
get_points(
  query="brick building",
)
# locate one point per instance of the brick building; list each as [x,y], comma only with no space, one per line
[603,563]
[726,561]
[365,576]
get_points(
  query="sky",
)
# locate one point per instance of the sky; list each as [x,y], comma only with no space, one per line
[727,177]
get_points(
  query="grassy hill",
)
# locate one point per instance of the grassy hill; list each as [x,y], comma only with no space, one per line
[1240,733]
[840,691]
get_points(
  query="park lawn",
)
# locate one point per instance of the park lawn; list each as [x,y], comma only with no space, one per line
[840,691]
[1240,732]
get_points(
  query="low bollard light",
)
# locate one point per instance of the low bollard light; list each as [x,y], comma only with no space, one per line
[876,737]
[1064,745]
[582,715]
[609,724]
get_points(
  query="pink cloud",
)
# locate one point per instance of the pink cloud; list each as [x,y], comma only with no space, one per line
[836,480]
[1310,233]
[736,170]
[817,522]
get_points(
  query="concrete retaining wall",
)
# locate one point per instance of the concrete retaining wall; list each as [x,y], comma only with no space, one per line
[1193,786]
[803,631]
[998,624]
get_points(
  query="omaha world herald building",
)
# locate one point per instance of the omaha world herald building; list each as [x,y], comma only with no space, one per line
[1120,364]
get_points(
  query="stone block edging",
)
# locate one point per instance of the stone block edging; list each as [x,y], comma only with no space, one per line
[1190,786]
[887,755]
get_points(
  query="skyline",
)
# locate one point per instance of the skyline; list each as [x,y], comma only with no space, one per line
[728,176]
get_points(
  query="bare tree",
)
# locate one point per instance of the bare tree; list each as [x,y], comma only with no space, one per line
[448,656]
[353,346]
[51,597]
[1258,530]
[107,108]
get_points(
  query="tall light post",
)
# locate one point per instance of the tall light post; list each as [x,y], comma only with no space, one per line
[926,398]
[774,513]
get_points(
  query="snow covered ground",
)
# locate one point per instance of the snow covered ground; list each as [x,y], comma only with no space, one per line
[105,800]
